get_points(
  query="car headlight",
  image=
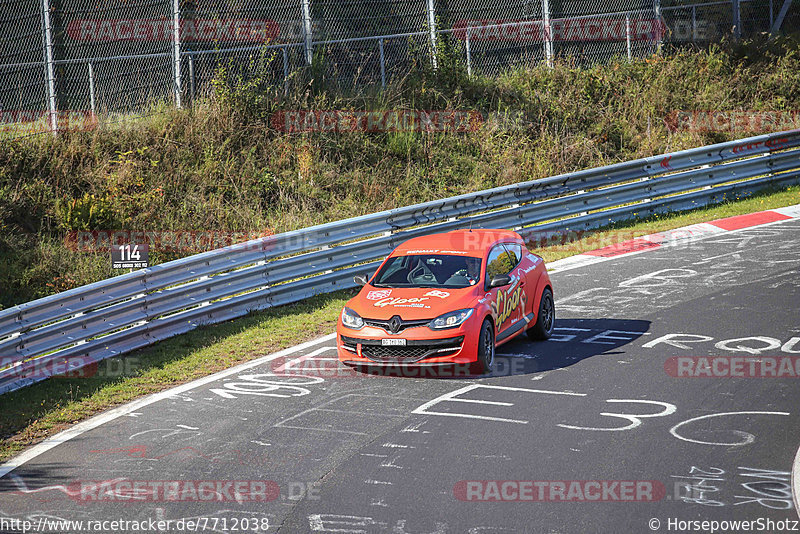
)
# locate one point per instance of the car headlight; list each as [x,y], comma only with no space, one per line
[450,319]
[351,319]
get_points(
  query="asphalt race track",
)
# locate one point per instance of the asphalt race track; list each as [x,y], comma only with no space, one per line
[604,400]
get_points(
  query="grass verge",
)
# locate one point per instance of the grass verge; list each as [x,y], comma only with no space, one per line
[32,414]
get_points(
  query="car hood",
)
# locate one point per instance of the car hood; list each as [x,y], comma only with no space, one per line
[411,303]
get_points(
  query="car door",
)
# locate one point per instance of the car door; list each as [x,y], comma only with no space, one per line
[518,297]
[505,301]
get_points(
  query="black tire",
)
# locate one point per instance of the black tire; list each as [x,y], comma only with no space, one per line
[486,347]
[545,318]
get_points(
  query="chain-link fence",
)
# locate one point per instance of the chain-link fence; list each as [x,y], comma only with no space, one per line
[65,62]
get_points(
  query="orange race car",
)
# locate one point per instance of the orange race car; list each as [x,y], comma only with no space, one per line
[447,299]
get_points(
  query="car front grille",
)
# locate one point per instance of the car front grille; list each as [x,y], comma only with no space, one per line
[414,351]
[379,323]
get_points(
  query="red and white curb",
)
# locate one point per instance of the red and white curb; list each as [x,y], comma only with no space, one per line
[678,236]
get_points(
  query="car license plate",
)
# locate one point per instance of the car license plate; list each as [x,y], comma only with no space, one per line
[393,342]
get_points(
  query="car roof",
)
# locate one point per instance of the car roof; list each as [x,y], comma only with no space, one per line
[473,242]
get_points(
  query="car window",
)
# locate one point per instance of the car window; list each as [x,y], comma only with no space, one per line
[516,250]
[429,270]
[500,261]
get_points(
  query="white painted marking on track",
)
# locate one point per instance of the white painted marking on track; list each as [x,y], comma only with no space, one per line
[309,356]
[94,422]
[789,211]
[188,427]
[282,423]
[452,397]
[390,463]
[748,438]
[635,420]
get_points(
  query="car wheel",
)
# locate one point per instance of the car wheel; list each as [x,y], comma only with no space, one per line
[546,318]
[486,347]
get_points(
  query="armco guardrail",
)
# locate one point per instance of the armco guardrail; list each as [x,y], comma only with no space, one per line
[72,329]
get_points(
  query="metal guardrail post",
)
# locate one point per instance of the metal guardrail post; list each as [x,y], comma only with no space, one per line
[47,42]
[548,33]
[737,19]
[383,62]
[305,7]
[432,32]
[176,51]
[92,103]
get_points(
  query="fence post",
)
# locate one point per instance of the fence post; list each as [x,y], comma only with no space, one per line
[47,42]
[92,104]
[548,33]
[776,26]
[191,78]
[432,31]
[737,19]
[285,71]
[305,6]
[694,23]
[383,62]
[628,34]
[469,50]
[176,51]
[661,25]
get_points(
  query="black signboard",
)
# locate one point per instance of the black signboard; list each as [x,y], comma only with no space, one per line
[129,256]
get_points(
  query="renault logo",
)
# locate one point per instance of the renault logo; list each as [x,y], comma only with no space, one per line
[394,324]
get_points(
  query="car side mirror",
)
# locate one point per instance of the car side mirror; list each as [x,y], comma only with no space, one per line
[500,280]
[360,280]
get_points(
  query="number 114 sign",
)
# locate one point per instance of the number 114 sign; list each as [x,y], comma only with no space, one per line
[129,256]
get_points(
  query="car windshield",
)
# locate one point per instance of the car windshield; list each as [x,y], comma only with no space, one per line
[429,270]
